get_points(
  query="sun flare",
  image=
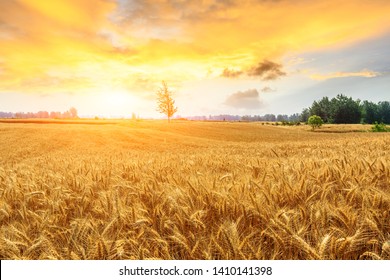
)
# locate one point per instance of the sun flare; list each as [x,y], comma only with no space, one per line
[115,98]
[117,102]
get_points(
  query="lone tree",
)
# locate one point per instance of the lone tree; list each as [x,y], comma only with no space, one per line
[315,121]
[166,104]
[73,112]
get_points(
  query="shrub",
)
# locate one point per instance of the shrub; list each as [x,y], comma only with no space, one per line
[315,121]
[290,123]
[379,127]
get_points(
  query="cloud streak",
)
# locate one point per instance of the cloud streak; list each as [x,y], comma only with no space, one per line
[363,73]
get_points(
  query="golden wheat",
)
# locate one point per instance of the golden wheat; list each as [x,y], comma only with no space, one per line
[208,191]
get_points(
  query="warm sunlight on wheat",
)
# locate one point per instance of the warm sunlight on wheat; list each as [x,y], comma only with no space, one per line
[149,190]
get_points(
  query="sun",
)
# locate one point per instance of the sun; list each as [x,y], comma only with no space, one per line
[116,99]
[118,102]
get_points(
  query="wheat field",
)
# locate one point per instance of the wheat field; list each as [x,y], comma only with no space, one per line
[192,190]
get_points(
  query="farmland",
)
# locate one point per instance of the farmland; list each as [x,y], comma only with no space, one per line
[193,190]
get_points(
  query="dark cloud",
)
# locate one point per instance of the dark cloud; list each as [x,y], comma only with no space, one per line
[227,73]
[249,99]
[267,70]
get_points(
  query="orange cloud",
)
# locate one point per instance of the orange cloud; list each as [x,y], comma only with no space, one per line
[86,44]
[363,73]
[78,14]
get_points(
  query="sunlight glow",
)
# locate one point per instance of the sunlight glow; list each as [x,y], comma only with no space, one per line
[116,102]
[101,55]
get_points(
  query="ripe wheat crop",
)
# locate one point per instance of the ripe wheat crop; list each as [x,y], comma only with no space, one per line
[192,190]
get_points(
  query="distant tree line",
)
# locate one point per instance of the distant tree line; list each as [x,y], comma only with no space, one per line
[338,110]
[224,117]
[272,118]
[70,114]
[343,109]
[249,118]
[6,115]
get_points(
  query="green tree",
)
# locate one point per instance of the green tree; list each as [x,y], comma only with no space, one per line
[345,109]
[322,108]
[369,112]
[384,111]
[165,102]
[281,118]
[379,127]
[315,121]
[305,115]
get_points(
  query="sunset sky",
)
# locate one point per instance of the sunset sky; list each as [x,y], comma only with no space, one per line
[109,57]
